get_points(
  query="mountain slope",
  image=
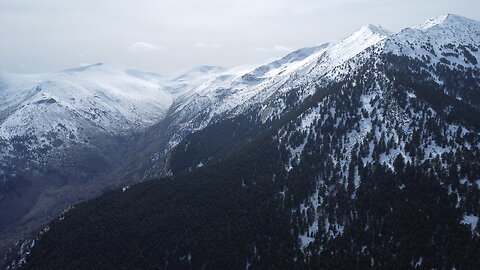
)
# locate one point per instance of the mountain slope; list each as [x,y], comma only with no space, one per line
[236,91]
[63,133]
[49,113]
[91,93]
[363,154]
[59,130]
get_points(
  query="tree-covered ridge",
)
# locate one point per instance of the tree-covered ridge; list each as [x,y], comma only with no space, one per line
[378,146]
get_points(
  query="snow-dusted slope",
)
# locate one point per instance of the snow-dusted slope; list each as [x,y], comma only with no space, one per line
[183,82]
[109,99]
[450,39]
[388,101]
[47,114]
[115,100]
[74,103]
[233,91]
[301,67]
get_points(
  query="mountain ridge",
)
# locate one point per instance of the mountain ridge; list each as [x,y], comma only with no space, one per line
[394,77]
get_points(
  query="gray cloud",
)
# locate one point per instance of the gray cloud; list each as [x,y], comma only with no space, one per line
[141,46]
[48,35]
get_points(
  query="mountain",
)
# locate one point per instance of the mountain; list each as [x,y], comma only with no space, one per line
[56,111]
[237,90]
[62,133]
[71,135]
[360,154]
[233,92]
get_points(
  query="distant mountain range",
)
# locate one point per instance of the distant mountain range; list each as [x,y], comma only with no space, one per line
[359,154]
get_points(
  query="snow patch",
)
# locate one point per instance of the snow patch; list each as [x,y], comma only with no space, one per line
[471,220]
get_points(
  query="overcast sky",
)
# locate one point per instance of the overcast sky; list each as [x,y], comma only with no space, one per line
[168,35]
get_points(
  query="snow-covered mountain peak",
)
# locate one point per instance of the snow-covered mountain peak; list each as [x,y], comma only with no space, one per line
[448,21]
[300,67]
[371,29]
[367,32]
[450,28]
[343,51]
[431,22]
[450,39]
[361,39]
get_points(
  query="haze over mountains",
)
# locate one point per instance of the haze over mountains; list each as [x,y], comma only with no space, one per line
[327,157]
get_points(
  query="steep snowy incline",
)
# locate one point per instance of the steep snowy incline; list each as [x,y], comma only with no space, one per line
[297,69]
[450,39]
[236,90]
[459,29]
[437,46]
